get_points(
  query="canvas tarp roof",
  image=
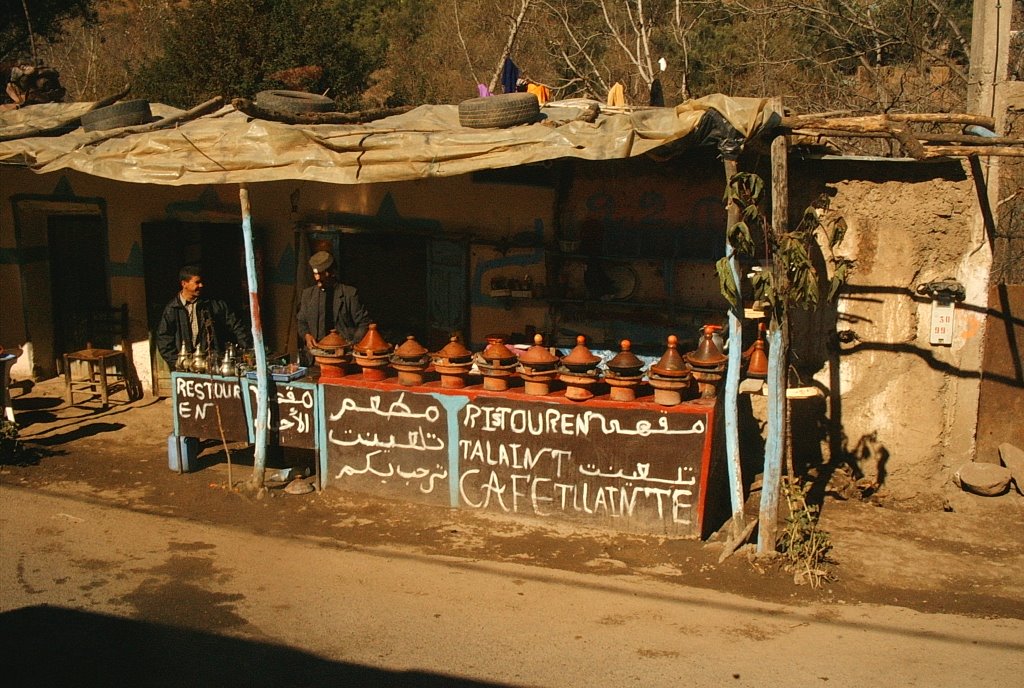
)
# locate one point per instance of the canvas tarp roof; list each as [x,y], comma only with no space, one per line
[230,147]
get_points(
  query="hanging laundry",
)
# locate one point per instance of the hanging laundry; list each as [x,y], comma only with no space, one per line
[657,94]
[617,95]
[542,92]
[483,90]
[509,75]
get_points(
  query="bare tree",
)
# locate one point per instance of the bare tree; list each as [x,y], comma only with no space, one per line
[515,25]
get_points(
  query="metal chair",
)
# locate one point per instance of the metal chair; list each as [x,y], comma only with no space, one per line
[109,370]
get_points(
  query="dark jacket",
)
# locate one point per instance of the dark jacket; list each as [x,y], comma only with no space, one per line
[217,326]
[350,318]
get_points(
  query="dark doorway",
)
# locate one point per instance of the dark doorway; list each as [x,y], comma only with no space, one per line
[390,272]
[166,246]
[78,276]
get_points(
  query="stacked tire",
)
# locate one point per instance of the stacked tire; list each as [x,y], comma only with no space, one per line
[499,111]
[127,113]
[294,102]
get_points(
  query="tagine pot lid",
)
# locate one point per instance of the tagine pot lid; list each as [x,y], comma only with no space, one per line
[411,350]
[454,352]
[671,363]
[707,354]
[496,352]
[538,355]
[373,343]
[625,362]
[332,342]
[580,358]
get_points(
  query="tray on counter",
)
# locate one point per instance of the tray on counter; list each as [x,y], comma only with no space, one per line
[280,373]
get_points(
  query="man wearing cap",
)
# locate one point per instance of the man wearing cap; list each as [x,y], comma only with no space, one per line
[329,305]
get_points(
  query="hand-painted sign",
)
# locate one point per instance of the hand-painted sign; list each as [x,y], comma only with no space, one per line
[389,442]
[581,462]
[629,466]
[207,405]
[292,413]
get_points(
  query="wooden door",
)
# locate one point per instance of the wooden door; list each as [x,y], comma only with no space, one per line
[78,276]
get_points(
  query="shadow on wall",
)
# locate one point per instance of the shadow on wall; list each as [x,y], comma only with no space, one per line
[47,646]
[858,467]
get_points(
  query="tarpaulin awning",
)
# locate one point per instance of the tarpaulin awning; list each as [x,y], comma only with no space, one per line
[231,147]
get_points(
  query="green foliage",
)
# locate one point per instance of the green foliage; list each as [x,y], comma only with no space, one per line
[45,17]
[793,280]
[244,42]
[803,543]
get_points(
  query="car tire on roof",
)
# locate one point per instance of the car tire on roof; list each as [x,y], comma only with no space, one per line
[294,102]
[124,114]
[502,110]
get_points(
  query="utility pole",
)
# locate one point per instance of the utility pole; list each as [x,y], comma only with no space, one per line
[986,94]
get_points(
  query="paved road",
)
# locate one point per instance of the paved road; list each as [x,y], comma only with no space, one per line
[92,595]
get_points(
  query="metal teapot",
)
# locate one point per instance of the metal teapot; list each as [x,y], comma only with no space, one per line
[199,363]
[184,360]
[227,364]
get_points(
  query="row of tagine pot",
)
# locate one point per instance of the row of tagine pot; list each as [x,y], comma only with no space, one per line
[673,377]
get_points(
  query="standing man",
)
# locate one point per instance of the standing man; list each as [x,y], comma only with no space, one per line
[329,305]
[193,319]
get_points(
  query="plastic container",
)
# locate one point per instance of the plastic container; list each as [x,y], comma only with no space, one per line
[182,453]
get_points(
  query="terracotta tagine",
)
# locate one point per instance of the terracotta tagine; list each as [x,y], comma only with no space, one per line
[497,363]
[670,376]
[453,363]
[410,360]
[332,354]
[707,363]
[538,367]
[580,371]
[372,354]
[625,373]
[757,365]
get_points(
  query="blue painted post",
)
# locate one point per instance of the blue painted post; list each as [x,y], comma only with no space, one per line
[777,340]
[775,442]
[732,373]
[259,461]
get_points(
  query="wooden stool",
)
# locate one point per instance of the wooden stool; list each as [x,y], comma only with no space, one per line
[99,361]
[107,326]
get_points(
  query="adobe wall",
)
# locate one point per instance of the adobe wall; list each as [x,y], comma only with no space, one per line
[899,402]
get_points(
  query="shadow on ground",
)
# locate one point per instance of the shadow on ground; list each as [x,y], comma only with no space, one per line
[48,646]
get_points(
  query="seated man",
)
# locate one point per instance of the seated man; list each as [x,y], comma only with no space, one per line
[193,319]
[329,305]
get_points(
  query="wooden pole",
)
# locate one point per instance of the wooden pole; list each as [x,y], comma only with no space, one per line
[776,380]
[732,374]
[259,462]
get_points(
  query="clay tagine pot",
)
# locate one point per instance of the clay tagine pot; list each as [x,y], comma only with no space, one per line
[579,371]
[625,373]
[497,363]
[372,354]
[757,366]
[410,360]
[538,367]
[707,363]
[670,376]
[332,354]
[453,363]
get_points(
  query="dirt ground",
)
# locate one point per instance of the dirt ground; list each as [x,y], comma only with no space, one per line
[946,552]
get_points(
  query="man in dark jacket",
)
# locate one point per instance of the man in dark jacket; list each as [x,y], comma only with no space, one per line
[193,319]
[329,305]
